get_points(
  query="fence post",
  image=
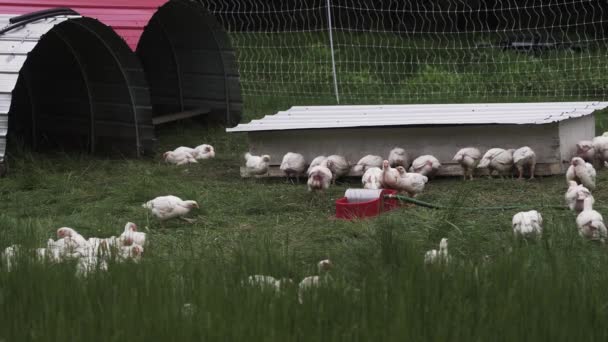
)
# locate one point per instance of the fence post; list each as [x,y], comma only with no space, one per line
[331,46]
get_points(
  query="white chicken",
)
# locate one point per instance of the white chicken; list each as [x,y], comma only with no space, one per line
[188,309]
[130,235]
[440,255]
[293,165]
[168,207]
[59,244]
[338,166]
[178,158]
[41,254]
[582,173]
[263,281]
[398,157]
[368,162]
[400,180]
[468,158]
[257,165]
[200,152]
[90,263]
[425,165]
[600,145]
[10,255]
[267,282]
[527,223]
[204,151]
[411,182]
[585,150]
[497,159]
[75,241]
[590,223]
[524,157]
[57,250]
[319,178]
[390,175]
[105,247]
[133,252]
[372,178]
[575,195]
[311,282]
[319,160]
[97,246]
[185,150]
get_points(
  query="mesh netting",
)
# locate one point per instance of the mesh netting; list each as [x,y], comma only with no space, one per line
[435,51]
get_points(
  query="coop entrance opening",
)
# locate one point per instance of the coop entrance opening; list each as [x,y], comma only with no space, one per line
[190,65]
[81,88]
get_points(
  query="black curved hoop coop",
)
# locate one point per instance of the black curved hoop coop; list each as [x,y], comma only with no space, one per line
[81,87]
[190,65]
[71,82]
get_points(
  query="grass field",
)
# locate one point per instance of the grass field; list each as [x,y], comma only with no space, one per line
[551,288]
[497,288]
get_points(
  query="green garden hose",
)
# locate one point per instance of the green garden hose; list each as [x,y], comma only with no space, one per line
[438,206]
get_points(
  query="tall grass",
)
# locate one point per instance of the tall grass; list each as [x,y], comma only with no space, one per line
[534,290]
[496,287]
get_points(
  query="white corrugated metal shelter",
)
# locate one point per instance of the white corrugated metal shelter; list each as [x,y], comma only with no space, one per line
[551,129]
[14,47]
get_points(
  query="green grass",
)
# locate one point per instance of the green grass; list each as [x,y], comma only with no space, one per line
[553,288]
[497,288]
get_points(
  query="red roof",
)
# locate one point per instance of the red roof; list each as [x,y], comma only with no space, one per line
[127,17]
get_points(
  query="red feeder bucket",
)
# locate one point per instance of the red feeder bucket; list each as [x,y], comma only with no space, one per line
[368,208]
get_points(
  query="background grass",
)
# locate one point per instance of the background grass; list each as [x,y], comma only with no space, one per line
[498,288]
[283,69]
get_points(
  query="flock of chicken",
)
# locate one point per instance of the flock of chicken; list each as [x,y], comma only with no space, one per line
[391,173]
[378,173]
[580,176]
[92,254]
[581,180]
[395,172]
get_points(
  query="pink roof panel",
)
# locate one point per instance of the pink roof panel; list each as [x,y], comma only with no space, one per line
[128,18]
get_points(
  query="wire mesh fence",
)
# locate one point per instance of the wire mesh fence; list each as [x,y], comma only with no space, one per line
[436,51]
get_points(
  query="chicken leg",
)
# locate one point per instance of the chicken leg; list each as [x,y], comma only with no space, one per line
[520,170]
[532,167]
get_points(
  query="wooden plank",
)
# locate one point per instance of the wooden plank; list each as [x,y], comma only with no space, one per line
[179,116]
[448,170]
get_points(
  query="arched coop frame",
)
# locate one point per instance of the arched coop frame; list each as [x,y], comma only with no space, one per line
[70,81]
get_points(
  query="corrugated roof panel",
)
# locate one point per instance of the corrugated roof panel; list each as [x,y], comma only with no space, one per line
[316,117]
[5,102]
[14,46]
[3,123]
[12,62]
[474,106]
[7,81]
